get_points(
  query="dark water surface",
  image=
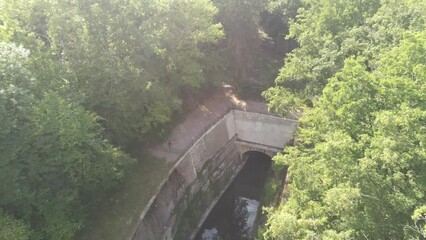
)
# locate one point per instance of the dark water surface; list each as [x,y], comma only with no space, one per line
[234,215]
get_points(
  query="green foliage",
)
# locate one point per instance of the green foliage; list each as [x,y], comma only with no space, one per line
[59,160]
[358,170]
[358,81]
[330,31]
[276,22]
[53,155]
[240,19]
[419,226]
[69,70]
[120,58]
[11,228]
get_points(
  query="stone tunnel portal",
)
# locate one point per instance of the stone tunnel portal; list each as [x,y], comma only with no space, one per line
[206,169]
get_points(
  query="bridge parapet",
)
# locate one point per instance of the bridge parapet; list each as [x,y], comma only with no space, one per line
[262,129]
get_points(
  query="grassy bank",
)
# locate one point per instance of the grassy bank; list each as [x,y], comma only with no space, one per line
[117,217]
[271,196]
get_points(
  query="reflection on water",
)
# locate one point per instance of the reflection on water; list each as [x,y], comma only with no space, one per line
[252,207]
[235,223]
[234,215]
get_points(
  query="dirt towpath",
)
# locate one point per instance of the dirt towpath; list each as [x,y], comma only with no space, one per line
[206,114]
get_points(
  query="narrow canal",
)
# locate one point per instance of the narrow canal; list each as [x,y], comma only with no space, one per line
[234,216]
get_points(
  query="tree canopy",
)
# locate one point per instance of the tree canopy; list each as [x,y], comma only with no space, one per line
[79,80]
[119,57]
[53,156]
[11,228]
[358,83]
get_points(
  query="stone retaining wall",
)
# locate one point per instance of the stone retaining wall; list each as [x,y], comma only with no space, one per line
[202,174]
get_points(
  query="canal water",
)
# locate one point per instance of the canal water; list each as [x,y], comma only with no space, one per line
[234,216]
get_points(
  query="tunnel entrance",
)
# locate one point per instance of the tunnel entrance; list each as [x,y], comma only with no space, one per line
[234,216]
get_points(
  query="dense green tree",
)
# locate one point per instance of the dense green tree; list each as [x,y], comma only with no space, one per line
[54,162]
[23,23]
[15,97]
[70,69]
[240,19]
[358,82]
[70,164]
[328,32]
[11,228]
[121,57]
[419,218]
[275,21]
[358,170]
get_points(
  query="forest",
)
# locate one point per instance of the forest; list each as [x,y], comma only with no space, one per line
[358,83]
[82,82]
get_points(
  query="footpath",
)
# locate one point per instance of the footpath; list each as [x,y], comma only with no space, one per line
[198,121]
